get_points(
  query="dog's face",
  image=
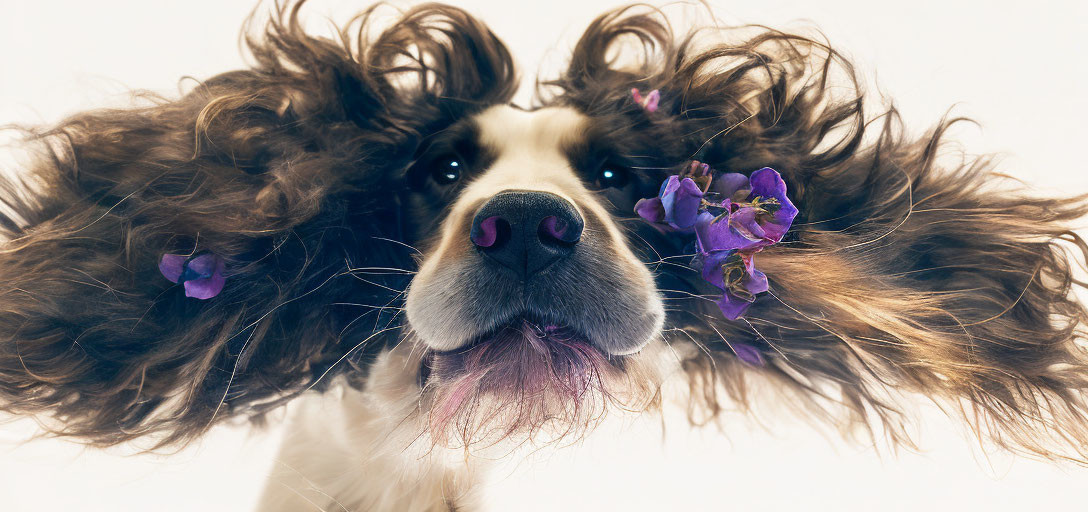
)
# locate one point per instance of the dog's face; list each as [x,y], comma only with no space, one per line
[528,236]
[528,268]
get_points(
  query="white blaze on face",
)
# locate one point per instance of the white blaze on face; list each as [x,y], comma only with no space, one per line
[530,150]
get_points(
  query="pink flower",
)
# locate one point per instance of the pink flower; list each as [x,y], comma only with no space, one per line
[649,103]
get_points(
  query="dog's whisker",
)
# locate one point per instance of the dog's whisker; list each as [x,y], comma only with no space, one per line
[398,242]
[378,270]
[346,354]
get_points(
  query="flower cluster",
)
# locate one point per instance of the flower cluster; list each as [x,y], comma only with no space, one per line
[733,217]
[201,275]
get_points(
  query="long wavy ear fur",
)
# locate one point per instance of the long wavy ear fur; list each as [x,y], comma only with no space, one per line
[902,273]
[286,170]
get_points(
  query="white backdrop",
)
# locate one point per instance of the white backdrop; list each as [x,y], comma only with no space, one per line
[1017,67]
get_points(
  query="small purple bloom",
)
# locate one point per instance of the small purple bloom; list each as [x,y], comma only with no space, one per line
[734,307]
[201,275]
[651,210]
[648,103]
[755,213]
[745,221]
[677,206]
[735,274]
[172,266]
[681,200]
[768,184]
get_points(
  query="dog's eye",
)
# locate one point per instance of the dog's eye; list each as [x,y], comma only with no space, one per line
[447,169]
[612,176]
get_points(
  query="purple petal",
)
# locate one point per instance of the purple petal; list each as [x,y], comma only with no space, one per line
[704,220]
[748,354]
[766,182]
[730,183]
[172,265]
[204,265]
[733,307]
[650,209]
[207,287]
[682,202]
[669,187]
[755,282]
[719,235]
[743,221]
[712,267]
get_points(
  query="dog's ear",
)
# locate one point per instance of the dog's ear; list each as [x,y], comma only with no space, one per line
[288,172]
[903,271]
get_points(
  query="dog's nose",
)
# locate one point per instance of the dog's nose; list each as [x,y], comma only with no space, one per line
[526,231]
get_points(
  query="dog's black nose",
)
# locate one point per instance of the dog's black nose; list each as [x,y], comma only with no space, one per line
[526,231]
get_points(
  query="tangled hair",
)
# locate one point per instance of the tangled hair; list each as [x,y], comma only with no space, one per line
[286,170]
[901,272]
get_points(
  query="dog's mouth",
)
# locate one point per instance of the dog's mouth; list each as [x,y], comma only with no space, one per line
[525,325]
[521,352]
[516,377]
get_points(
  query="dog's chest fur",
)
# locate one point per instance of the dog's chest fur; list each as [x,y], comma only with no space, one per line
[351,449]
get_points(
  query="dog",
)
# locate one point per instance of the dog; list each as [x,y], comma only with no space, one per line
[437,275]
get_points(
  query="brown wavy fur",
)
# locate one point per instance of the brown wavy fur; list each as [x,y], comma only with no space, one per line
[901,273]
[287,170]
[898,274]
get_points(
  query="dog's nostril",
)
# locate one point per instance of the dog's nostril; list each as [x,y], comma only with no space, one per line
[490,232]
[553,228]
[525,231]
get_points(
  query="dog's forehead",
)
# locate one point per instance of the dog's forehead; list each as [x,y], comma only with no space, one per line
[504,129]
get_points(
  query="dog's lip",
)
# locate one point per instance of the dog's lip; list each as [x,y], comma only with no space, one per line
[538,325]
[494,338]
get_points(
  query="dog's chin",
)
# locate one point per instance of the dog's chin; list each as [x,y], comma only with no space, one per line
[527,380]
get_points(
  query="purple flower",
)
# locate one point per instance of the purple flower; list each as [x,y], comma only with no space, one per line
[201,275]
[767,184]
[734,273]
[677,205]
[755,212]
[733,217]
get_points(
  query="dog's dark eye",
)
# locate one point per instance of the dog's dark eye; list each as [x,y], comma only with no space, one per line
[447,169]
[612,176]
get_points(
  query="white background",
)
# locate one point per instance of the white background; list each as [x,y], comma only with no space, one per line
[1016,67]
